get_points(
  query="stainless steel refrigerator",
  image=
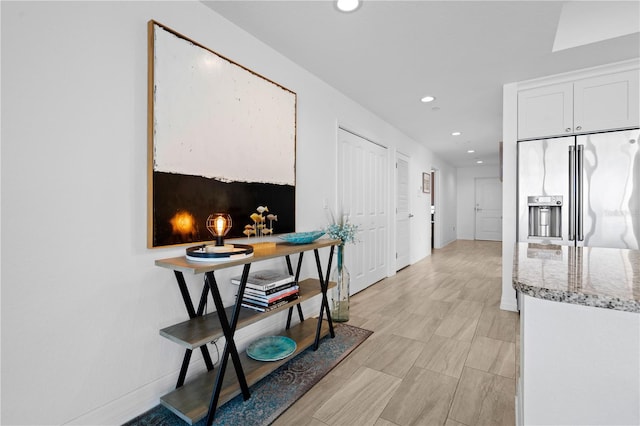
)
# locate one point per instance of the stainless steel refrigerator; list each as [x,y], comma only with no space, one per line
[580,190]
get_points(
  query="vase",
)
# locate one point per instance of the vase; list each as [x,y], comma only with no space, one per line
[340,294]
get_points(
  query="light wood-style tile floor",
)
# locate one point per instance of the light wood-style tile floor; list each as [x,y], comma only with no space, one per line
[442,351]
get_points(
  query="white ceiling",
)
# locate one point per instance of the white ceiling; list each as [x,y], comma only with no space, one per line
[388,54]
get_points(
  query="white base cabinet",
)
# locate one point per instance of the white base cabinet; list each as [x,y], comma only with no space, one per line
[579,365]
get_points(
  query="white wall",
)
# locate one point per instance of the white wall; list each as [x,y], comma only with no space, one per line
[509,192]
[466,195]
[82,301]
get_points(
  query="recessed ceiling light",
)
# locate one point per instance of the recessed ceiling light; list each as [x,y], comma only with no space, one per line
[471,151]
[478,161]
[428,99]
[456,134]
[347,5]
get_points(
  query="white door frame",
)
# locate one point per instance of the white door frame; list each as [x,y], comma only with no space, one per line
[405,252]
[437,238]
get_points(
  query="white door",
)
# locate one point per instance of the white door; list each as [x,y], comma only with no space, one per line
[488,209]
[402,212]
[363,197]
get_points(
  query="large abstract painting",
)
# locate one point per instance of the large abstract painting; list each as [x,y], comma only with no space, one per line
[221,139]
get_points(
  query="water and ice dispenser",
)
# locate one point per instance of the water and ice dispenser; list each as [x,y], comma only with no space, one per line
[545,216]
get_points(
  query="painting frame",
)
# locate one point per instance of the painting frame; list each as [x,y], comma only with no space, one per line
[220,138]
[426,182]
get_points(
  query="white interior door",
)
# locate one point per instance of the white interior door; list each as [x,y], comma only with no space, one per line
[363,196]
[488,209]
[402,212]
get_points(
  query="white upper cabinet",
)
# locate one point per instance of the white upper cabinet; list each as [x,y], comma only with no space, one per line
[605,102]
[545,111]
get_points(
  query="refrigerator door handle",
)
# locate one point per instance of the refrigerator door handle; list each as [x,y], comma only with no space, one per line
[579,190]
[572,193]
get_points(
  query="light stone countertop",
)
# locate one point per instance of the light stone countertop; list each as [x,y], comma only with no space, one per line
[590,276]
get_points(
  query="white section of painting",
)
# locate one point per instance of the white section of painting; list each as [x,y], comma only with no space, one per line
[214,119]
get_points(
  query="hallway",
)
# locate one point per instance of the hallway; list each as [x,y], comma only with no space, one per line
[442,352]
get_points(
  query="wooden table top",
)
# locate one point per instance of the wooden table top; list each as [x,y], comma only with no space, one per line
[281,249]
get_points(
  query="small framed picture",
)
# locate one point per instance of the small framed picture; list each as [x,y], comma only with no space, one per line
[426,183]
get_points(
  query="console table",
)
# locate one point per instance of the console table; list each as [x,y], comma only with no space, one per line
[201,396]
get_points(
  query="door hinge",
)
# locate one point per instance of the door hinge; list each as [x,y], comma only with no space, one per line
[396,255]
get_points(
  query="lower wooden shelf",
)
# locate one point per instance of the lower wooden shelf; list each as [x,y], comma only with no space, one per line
[191,401]
[199,331]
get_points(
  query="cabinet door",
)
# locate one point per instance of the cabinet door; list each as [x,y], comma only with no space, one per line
[545,111]
[606,102]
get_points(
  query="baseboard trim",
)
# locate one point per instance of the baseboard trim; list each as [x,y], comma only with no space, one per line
[518,399]
[134,403]
[509,305]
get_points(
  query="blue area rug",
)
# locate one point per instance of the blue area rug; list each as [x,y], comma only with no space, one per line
[271,396]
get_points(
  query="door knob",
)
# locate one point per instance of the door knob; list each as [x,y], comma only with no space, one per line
[410,215]
[579,128]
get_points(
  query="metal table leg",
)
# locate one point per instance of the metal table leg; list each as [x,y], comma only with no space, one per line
[324,306]
[229,329]
[182,285]
[297,277]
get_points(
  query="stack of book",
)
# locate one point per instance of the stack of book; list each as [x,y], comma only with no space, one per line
[268,289]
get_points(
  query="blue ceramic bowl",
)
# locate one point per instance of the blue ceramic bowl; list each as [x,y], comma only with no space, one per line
[301,237]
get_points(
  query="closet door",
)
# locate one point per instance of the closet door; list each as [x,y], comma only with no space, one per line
[363,197]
